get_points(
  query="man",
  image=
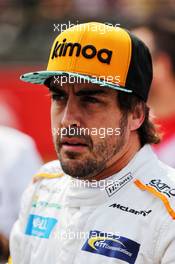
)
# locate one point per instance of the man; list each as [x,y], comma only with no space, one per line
[108,199]
[159,34]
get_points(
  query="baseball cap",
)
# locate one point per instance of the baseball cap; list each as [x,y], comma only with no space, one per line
[99,53]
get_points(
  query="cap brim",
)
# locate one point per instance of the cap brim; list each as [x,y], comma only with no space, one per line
[40,77]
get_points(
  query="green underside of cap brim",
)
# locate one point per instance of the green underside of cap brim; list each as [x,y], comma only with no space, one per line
[40,77]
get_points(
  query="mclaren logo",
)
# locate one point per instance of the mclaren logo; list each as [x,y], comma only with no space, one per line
[130,210]
[75,49]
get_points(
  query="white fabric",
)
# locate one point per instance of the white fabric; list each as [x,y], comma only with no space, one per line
[132,216]
[19,160]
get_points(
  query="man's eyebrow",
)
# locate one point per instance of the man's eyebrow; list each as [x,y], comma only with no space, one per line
[56,89]
[83,92]
[91,92]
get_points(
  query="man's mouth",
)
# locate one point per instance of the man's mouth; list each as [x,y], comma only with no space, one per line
[73,144]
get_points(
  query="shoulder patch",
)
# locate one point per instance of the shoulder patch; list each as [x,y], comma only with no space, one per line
[162,192]
[49,170]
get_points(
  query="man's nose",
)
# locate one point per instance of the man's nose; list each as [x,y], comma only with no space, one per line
[72,114]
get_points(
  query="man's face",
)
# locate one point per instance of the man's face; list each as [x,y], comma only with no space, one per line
[85,123]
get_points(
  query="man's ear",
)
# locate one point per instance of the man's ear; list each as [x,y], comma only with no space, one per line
[136,117]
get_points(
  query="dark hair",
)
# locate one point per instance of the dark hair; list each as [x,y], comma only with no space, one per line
[148,131]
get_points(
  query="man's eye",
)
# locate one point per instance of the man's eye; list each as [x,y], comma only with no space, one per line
[58,97]
[90,99]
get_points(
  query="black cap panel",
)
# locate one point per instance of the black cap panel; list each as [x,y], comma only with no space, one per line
[140,71]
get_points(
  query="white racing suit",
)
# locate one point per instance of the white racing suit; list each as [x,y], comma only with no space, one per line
[126,218]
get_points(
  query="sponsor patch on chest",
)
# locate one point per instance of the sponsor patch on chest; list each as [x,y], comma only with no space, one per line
[113,246]
[40,226]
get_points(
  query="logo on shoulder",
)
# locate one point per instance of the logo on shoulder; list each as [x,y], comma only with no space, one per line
[40,226]
[113,246]
[162,187]
[115,186]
